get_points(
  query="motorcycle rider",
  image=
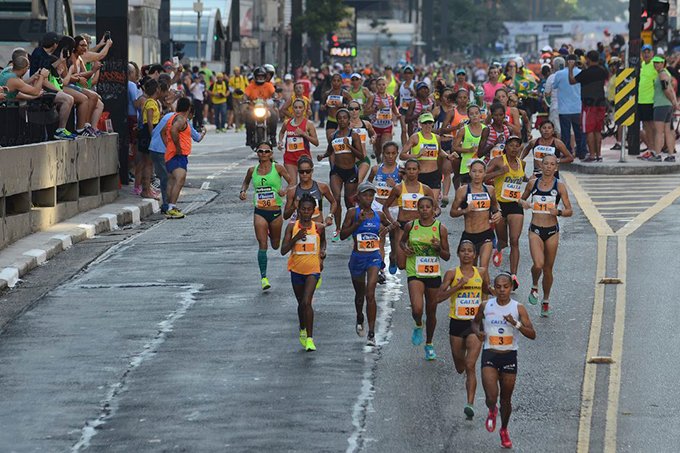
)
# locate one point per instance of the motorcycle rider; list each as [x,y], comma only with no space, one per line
[260,88]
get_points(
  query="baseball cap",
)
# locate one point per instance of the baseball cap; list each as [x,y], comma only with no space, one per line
[658,59]
[513,137]
[408,67]
[365,187]
[49,39]
[288,77]
[460,71]
[420,85]
[547,49]
[355,75]
[425,117]
[647,47]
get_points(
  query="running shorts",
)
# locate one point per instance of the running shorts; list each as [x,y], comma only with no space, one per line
[359,262]
[348,175]
[430,282]
[509,208]
[663,114]
[544,233]
[300,279]
[503,362]
[269,216]
[646,112]
[291,158]
[478,239]
[432,179]
[460,328]
[177,162]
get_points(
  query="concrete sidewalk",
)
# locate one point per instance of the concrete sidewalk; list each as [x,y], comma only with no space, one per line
[24,255]
[611,164]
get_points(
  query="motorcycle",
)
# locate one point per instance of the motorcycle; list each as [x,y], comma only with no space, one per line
[260,113]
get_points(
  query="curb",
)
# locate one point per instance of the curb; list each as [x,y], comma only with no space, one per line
[104,223]
[631,167]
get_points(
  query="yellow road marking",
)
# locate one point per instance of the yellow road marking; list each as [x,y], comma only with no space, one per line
[589,374]
[586,204]
[602,203]
[617,349]
[604,231]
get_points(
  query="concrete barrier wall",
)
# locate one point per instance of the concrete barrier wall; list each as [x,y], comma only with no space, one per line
[45,183]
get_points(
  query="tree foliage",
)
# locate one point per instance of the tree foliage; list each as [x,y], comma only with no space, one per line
[320,17]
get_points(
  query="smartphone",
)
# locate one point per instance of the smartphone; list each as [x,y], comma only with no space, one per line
[107,36]
[175,61]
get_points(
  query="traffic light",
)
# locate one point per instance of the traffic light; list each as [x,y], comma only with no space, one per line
[333,40]
[658,9]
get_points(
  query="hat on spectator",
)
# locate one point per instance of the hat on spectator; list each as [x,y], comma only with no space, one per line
[658,59]
[647,47]
[422,85]
[460,71]
[288,77]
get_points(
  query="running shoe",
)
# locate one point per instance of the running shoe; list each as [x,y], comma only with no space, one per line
[533,296]
[63,134]
[303,337]
[360,329]
[616,147]
[670,158]
[429,352]
[265,284]
[491,420]
[318,282]
[336,236]
[137,190]
[469,411]
[417,336]
[370,341]
[393,268]
[381,277]
[505,438]
[92,131]
[545,310]
[310,344]
[174,213]
[156,184]
[515,282]
[645,155]
[654,158]
[497,258]
[445,201]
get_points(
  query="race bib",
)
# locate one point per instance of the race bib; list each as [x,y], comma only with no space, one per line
[265,197]
[404,104]
[384,115]
[363,135]
[541,151]
[409,201]
[427,266]
[428,151]
[497,151]
[467,304]
[501,336]
[479,201]
[339,146]
[368,242]
[383,190]
[306,246]
[511,191]
[294,144]
[334,100]
[542,204]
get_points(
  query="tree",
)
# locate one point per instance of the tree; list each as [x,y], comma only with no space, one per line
[320,17]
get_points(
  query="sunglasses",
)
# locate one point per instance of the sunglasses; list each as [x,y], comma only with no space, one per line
[264,151]
[427,122]
[305,172]
[353,109]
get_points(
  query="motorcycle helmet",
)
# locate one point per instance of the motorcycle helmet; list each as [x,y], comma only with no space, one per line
[260,75]
[270,69]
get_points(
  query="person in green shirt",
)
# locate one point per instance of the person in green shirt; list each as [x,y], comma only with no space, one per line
[646,98]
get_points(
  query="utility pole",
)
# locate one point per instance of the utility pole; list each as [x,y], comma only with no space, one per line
[634,29]
[280,46]
[198,7]
[55,16]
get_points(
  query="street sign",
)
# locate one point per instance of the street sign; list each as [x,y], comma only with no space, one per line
[625,98]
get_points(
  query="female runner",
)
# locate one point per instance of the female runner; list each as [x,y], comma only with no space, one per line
[466,143]
[315,189]
[465,286]
[424,242]
[492,142]
[383,110]
[547,144]
[267,220]
[366,134]
[477,203]
[334,99]
[295,136]
[306,240]
[543,195]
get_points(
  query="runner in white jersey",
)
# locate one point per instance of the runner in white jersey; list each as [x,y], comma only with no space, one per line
[406,92]
[503,318]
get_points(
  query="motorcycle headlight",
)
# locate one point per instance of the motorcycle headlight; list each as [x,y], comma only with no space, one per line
[259,112]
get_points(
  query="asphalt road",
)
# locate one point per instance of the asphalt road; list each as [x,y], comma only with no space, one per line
[166,343]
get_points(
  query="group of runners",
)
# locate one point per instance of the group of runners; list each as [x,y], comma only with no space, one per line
[394,216]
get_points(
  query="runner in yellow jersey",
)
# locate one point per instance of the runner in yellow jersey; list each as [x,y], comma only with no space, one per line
[507,173]
[306,242]
[465,286]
